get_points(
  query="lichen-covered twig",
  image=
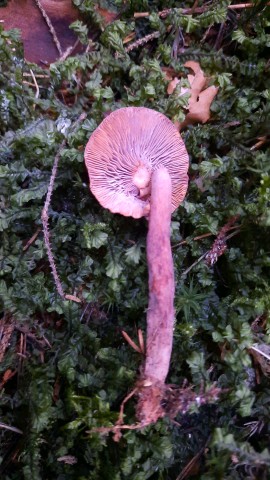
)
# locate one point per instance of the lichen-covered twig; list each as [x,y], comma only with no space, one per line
[35,83]
[219,246]
[45,221]
[142,41]
[50,27]
[45,217]
[192,10]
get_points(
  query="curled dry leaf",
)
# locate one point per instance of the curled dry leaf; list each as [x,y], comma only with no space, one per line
[172,85]
[201,96]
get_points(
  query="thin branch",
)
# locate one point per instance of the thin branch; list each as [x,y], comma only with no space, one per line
[194,264]
[207,253]
[50,27]
[45,221]
[185,473]
[239,6]
[32,239]
[130,342]
[6,331]
[142,41]
[190,11]
[35,82]
[263,354]
[37,75]
[69,51]
[12,429]
[45,217]
[200,237]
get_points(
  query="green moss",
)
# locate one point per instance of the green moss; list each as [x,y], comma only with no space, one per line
[76,368]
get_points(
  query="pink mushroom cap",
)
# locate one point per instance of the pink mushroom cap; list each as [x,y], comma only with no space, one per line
[122,153]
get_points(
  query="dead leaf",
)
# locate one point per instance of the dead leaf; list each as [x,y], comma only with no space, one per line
[7,376]
[39,43]
[129,37]
[172,85]
[201,97]
[73,298]
[169,73]
[194,66]
[199,110]
[107,16]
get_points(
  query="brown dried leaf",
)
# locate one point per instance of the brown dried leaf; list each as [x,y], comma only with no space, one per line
[199,110]
[200,97]
[7,376]
[197,83]
[194,66]
[73,298]
[169,73]
[141,341]
[129,37]
[172,85]
[107,16]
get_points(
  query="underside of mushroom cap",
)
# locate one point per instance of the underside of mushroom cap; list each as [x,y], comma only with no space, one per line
[123,152]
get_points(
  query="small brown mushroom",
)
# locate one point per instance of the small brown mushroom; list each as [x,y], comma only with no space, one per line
[137,165]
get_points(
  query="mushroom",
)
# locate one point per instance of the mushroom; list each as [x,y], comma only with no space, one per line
[137,164]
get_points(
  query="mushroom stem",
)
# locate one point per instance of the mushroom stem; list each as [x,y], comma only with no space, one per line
[160,314]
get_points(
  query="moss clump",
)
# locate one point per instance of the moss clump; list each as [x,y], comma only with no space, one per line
[65,367]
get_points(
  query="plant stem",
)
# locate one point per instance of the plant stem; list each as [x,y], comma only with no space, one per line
[45,222]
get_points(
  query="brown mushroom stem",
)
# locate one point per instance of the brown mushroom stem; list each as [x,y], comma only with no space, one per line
[160,314]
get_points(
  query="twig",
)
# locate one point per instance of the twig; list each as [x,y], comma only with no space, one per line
[185,473]
[260,143]
[35,82]
[167,11]
[190,11]
[37,75]
[69,50]
[120,420]
[6,330]
[212,254]
[142,41]
[50,27]
[260,352]
[12,429]
[194,264]
[31,240]
[200,237]
[45,217]
[194,6]
[45,221]
[139,349]
[239,6]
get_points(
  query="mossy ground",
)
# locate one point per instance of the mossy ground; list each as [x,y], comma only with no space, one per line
[65,366]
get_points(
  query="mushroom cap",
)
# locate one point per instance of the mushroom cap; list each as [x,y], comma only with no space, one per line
[122,153]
